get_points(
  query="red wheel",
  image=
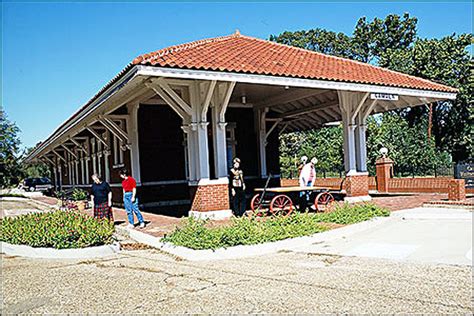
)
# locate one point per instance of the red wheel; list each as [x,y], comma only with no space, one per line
[281,204]
[256,206]
[323,201]
[255,202]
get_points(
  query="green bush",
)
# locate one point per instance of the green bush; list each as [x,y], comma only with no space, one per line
[350,214]
[79,195]
[60,229]
[13,195]
[196,234]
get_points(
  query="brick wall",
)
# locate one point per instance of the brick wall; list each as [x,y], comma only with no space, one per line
[330,183]
[419,185]
[210,197]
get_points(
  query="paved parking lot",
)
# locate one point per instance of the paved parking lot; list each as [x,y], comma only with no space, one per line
[147,281]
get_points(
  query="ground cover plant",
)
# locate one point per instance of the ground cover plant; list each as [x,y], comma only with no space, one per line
[197,234]
[2,195]
[60,229]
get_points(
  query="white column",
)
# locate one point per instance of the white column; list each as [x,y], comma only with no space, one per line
[191,150]
[220,144]
[132,130]
[83,178]
[60,181]
[348,103]
[86,162]
[361,146]
[107,168]
[76,171]
[202,157]
[261,132]
[55,171]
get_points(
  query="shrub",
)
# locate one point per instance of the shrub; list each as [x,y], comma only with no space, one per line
[242,231]
[79,195]
[350,214]
[196,234]
[60,229]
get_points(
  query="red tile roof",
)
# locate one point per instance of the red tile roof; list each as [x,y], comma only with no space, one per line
[243,54]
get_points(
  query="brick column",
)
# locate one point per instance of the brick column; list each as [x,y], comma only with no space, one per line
[357,185]
[210,199]
[383,168]
[457,190]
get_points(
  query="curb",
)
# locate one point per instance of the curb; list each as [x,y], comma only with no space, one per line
[52,253]
[245,251]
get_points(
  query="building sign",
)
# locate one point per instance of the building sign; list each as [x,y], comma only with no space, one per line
[465,171]
[384,96]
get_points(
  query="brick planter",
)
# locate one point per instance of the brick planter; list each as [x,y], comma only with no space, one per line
[457,190]
[357,185]
[210,197]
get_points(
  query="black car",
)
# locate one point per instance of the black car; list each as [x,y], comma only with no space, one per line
[37,184]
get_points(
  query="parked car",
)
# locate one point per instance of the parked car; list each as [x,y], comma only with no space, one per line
[37,184]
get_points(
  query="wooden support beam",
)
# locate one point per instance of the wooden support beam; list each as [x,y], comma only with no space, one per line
[58,155]
[225,101]
[49,160]
[207,100]
[69,151]
[359,106]
[286,97]
[369,109]
[114,129]
[275,124]
[185,106]
[158,90]
[308,109]
[77,144]
[96,135]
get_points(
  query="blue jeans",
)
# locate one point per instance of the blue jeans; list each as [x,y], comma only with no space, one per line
[131,207]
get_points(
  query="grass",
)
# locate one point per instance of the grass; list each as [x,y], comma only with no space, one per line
[12,195]
[196,234]
[60,229]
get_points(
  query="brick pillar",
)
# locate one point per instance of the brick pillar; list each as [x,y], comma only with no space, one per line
[357,185]
[383,168]
[457,190]
[210,199]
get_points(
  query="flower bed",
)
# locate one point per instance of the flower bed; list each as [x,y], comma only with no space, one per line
[196,234]
[60,230]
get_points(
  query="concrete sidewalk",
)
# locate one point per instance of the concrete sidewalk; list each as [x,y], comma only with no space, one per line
[424,235]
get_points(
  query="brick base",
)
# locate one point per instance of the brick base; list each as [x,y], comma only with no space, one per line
[457,190]
[210,197]
[357,185]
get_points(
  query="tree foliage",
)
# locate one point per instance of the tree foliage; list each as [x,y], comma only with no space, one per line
[10,167]
[393,43]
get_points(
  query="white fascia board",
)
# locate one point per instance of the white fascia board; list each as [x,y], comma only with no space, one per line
[60,131]
[287,81]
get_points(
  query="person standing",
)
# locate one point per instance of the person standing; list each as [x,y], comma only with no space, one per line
[130,200]
[101,198]
[306,179]
[237,186]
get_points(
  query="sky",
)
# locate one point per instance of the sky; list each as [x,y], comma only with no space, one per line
[56,56]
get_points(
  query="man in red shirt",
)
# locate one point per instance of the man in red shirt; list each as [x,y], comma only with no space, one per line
[130,200]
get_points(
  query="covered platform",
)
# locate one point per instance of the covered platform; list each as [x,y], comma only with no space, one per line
[176,118]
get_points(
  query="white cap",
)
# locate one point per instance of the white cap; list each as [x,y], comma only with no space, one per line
[304,159]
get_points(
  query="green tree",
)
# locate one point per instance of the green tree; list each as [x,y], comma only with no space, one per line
[392,42]
[10,167]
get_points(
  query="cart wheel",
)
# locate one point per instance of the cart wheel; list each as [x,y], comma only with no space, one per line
[281,204]
[255,202]
[323,201]
[256,206]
